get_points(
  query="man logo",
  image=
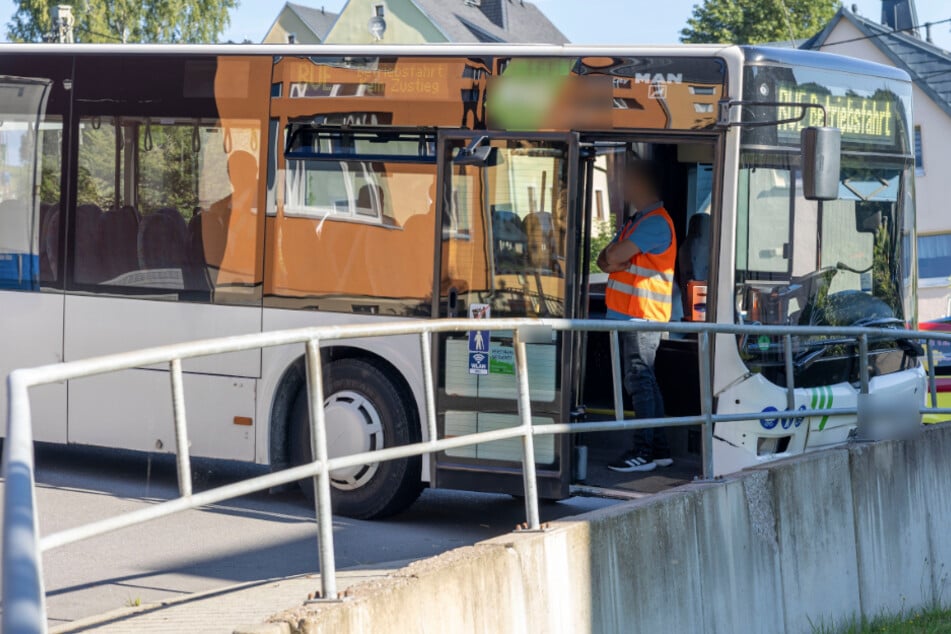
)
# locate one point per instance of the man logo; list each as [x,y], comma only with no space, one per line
[658,78]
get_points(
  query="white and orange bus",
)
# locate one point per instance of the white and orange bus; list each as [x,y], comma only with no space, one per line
[157,194]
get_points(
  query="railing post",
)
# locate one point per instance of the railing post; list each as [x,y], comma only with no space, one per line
[182,458]
[790,374]
[318,443]
[706,403]
[863,407]
[863,363]
[932,386]
[24,600]
[616,376]
[429,390]
[528,438]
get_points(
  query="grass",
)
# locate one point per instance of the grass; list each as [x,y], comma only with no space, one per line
[936,621]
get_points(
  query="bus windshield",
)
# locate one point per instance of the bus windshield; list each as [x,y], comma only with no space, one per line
[804,263]
[843,262]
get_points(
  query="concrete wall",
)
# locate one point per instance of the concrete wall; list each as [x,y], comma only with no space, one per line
[810,541]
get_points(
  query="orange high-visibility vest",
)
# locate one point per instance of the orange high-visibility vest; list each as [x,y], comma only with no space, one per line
[645,290]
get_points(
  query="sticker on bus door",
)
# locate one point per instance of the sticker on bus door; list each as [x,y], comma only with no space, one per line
[479,341]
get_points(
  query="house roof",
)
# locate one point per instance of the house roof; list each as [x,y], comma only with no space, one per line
[928,65]
[464,22]
[317,20]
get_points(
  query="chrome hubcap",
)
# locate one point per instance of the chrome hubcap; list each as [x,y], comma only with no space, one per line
[353,426]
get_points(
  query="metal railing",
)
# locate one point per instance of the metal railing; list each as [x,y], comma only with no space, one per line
[23,593]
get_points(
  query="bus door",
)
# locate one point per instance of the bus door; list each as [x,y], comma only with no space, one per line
[508,204]
[31,320]
[685,180]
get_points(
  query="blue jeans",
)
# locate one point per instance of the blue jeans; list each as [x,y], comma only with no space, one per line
[638,350]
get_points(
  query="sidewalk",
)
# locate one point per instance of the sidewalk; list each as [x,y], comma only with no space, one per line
[240,608]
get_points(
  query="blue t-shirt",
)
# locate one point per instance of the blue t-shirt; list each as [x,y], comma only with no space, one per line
[652,236]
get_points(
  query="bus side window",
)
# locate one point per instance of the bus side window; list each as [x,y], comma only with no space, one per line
[513,250]
[166,205]
[29,228]
[355,230]
[51,167]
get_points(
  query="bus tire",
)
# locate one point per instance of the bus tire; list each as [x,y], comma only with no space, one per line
[365,411]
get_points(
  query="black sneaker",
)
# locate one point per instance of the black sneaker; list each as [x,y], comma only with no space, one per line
[664,462]
[631,462]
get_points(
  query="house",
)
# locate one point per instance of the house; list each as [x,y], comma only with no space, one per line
[896,41]
[433,21]
[297,24]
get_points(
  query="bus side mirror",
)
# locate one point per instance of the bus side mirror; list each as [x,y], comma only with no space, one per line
[482,156]
[478,153]
[821,158]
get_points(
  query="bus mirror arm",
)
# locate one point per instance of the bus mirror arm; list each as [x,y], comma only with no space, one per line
[731,113]
[842,266]
[821,146]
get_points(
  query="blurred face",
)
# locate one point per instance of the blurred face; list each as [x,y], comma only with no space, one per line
[635,189]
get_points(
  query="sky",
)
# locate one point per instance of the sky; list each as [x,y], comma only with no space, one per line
[592,21]
[582,21]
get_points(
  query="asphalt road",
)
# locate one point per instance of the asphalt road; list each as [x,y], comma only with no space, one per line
[258,537]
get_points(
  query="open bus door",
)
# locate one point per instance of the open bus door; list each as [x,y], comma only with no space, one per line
[509,204]
[22,107]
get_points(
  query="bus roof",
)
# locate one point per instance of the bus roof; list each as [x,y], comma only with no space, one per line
[825,61]
[751,54]
[381,50]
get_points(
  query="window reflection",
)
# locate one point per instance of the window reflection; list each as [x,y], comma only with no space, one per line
[356,229]
[353,190]
[844,266]
[166,204]
[506,238]
[839,266]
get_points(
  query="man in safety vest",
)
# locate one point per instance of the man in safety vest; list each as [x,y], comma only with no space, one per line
[640,261]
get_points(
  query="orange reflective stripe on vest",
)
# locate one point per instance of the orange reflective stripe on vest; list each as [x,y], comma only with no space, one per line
[645,289]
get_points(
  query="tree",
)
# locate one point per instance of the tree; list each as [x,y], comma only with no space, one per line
[601,236]
[188,21]
[756,21]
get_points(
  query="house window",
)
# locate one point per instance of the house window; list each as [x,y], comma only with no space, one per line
[292,38]
[919,153]
[934,259]
[379,11]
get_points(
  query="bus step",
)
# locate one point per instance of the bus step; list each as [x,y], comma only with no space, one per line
[584,490]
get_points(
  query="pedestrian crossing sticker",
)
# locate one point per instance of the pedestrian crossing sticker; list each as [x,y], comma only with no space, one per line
[479,340]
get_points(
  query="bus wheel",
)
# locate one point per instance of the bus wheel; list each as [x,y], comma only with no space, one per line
[364,412]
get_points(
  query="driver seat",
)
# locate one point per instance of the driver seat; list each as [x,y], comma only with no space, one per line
[693,259]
